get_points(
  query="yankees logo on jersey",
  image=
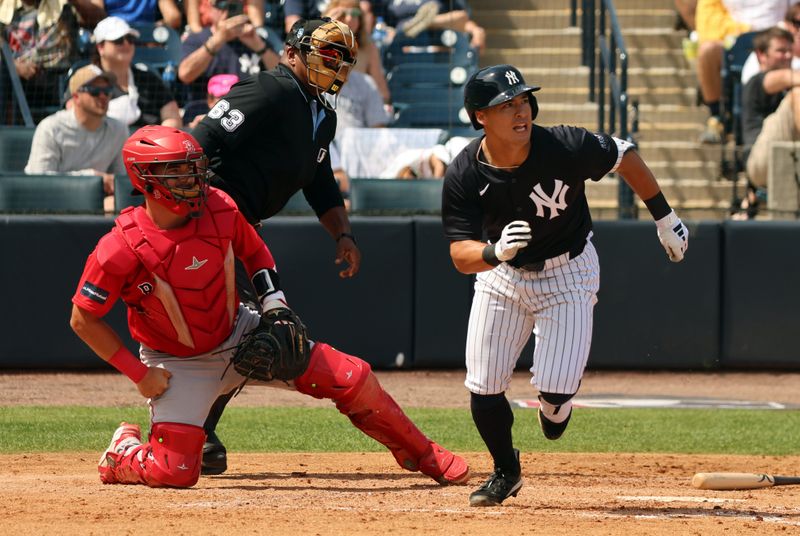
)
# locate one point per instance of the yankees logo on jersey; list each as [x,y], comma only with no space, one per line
[553,202]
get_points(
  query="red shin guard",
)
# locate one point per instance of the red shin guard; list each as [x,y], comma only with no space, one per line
[350,383]
[171,458]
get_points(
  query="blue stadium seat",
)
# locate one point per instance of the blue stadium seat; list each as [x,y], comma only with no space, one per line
[157,46]
[440,47]
[51,194]
[123,193]
[15,147]
[396,195]
[428,74]
[432,115]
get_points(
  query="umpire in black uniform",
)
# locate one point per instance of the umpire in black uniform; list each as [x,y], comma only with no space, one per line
[269,137]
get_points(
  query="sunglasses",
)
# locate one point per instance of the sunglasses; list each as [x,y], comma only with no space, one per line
[96,91]
[124,39]
[353,12]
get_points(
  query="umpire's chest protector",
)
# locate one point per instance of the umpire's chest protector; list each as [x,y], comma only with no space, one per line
[193,299]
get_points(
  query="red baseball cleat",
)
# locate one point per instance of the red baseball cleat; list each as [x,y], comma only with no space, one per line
[125,437]
[443,466]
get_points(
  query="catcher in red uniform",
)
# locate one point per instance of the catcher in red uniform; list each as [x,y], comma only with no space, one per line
[171,261]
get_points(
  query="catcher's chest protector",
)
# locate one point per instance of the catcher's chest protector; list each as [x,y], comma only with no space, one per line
[193,271]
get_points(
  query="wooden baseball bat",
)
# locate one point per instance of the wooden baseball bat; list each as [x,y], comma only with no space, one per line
[723,481]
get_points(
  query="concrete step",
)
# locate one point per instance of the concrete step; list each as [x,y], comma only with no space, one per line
[552,55]
[681,193]
[500,18]
[675,151]
[564,4]
[655,38]
[578,93]
[637,77]
[569,113]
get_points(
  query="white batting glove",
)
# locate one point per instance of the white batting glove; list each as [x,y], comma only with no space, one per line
[673,235]
[514,237]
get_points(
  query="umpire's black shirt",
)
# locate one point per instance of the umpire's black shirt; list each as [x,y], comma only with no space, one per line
[265,144]
[547,191]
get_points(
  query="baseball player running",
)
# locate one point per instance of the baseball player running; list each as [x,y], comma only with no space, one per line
[522,186]
[172,262]
[268,138]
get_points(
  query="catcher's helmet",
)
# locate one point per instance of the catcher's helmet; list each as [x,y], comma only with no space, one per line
[494,85]
[168,166]
[329,51]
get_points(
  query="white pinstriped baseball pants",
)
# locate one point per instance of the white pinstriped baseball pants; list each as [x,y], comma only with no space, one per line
[555,305]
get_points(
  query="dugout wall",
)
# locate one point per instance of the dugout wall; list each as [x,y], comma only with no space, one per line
[730,304]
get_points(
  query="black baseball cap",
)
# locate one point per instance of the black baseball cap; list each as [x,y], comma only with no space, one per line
[302,28]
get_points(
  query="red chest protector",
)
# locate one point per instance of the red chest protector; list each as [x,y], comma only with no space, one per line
[193,269]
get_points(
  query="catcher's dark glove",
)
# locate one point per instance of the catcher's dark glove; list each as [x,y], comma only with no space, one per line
[276,349]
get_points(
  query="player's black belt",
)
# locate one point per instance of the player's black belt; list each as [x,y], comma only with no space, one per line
[538,266]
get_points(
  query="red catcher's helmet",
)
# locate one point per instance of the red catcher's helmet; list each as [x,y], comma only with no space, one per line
[168,166]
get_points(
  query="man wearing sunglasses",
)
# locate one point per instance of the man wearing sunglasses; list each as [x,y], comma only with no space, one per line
[269,137]
[82,140]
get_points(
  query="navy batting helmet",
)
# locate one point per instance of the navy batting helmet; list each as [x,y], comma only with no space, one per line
[493,85]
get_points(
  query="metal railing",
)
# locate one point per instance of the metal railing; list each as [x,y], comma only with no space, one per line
[605,54]
[17,93]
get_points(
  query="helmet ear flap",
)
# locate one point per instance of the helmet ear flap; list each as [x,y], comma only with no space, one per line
[534,105]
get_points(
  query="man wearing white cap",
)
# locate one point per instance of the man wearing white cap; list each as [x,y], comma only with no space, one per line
[140,98]
[82,140]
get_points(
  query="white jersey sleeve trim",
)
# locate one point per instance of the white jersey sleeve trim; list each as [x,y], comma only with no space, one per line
[622,147]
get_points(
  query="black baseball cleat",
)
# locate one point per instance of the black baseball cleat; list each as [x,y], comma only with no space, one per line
[550,429]
[215,457]
[500,486]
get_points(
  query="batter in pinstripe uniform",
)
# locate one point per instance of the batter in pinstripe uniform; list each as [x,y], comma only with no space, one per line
[522,187]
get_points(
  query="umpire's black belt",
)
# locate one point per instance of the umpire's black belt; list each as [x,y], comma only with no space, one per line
[538,266]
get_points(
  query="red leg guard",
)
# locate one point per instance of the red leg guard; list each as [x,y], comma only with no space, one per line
[170,459]
[177,450]
[350,383]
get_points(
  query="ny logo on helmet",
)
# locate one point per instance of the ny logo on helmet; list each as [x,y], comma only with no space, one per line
[511,76]
[554,202]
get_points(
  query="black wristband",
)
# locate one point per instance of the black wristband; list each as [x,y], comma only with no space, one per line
[658,206]
[208,49]
[343,235]
[264,49]
[489,255]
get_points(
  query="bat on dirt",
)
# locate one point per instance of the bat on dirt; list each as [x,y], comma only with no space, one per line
[724,481]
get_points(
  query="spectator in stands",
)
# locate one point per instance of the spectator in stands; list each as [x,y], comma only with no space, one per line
[229,45]
[791,23]
[425,163]
[218,87]
[369,57]
[145,11]
[42,36]
[412,17]
[140,97]
[82,140]
[198,12]
[295,10]
[359,104]
[719,22]
[770,102]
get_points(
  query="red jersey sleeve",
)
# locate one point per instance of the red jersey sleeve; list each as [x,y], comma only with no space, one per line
[98,288]
[248,246]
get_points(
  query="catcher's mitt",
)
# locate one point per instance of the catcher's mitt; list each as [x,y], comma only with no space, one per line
[276,349]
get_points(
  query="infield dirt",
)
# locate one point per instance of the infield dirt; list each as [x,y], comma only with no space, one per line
[366,493]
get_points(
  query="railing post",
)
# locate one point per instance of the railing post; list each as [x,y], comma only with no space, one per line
[573,13]
[18,93]
[589,5]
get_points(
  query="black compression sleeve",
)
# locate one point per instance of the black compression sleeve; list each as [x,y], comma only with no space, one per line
[658,206]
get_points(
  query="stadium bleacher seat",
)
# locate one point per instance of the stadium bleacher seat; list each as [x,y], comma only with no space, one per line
[123,196]
[442,47]
[444,115]
[15,146]
[297,205]
[51,194]
[160,48]
[396,195]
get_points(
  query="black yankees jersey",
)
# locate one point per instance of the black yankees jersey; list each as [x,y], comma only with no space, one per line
[547,191]
[265,144]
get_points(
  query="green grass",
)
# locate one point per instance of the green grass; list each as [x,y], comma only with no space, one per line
[764,432]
